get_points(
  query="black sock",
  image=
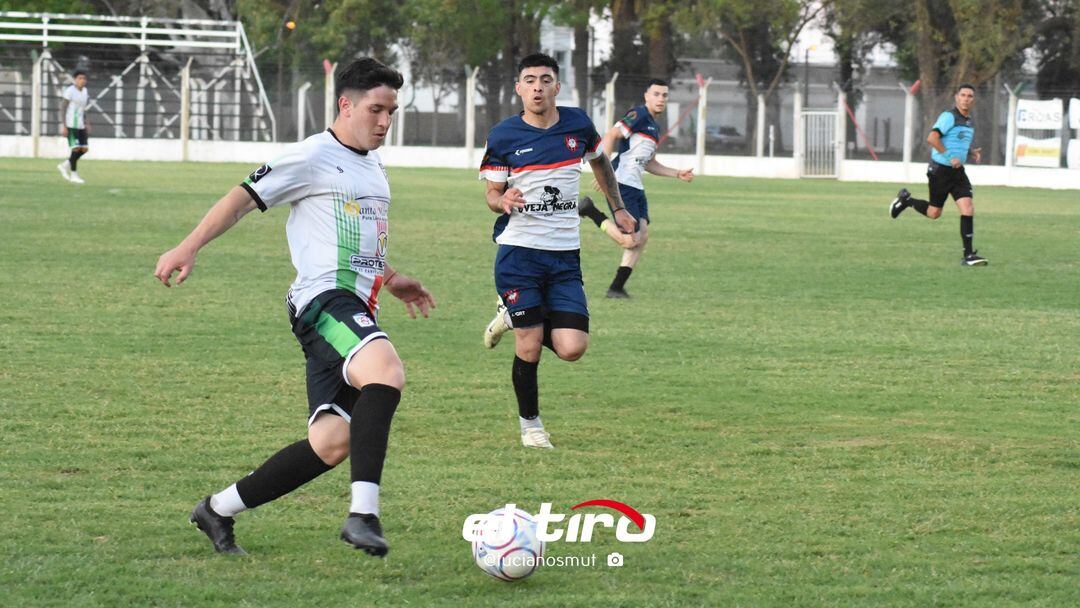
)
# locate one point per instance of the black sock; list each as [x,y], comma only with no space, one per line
[919,205]
[528,394]
[73,160]
[595,215]
[290,468]
[967,232]
[369,431]
[621,275]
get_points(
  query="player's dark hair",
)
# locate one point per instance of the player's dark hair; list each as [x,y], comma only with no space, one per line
[77,73]
[965,86]
[366,74]
[538,60]
[658,82]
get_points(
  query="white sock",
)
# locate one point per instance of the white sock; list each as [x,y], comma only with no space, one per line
[530,424]
[227,503]
[365,498]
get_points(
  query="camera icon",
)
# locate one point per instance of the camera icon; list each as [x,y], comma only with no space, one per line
[615,560]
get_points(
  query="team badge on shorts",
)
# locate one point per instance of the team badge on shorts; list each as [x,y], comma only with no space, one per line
[363,320]
[571,143]
[511,297]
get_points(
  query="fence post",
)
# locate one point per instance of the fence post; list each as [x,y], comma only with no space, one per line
[909,128]
[470,113]
[703,94]
[759,135]
[185,109]
[609,102]
[1010,130]
[301,110]
[841,132]
[797,137]
[35,103]
[328,90]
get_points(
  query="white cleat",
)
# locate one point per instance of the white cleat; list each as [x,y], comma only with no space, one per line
[497,327]
[65,169]
[75,179]
[536,437]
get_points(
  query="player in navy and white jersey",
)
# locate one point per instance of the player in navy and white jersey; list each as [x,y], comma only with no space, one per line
[950,142]
[76,126]
[338,197]
[636,135]
[533,168]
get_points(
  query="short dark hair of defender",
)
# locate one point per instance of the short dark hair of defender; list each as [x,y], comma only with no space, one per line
[658,82]
[965,86]
[77,73]
[366,74]
[538,60]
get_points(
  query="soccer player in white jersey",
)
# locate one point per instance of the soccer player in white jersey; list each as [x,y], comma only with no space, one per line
[338,197]
[76,126]
[533,168]
[636,134]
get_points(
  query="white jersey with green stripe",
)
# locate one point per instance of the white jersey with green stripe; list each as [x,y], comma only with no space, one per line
[75,117]
[337,230]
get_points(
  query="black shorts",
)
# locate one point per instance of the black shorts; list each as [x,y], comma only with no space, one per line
[331,329]
[945,180]
[78,138]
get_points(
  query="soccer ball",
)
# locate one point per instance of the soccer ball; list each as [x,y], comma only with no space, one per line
[506,546]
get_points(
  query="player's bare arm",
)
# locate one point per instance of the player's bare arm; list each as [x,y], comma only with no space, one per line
[611,140]
[503,200]
[410,291]
[656,168]
[63,119]
[609,185]
[222,216]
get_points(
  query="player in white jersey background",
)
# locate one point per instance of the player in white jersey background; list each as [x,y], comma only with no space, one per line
[338,197]
[637,135]
[75,126]
[533,169]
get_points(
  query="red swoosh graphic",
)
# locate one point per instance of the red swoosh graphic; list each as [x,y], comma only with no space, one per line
[621,507]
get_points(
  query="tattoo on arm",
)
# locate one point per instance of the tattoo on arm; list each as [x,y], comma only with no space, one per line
[605,175]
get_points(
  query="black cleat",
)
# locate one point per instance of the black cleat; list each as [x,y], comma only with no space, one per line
[219,529]
[617,294]
[899,203]
[363,531]
[973,259]
[584,206]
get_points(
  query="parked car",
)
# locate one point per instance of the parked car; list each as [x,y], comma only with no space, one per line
[724,137]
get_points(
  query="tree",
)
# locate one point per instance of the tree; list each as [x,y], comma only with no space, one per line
[1058,48]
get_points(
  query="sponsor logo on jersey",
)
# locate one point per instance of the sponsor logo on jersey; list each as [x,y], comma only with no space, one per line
[524,151]
[380,245]
[366,263]
[551,201]
[571,143]
[339,169]
[259,173]
[363,320]
[352,208]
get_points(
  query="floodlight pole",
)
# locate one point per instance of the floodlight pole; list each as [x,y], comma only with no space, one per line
[797,136]
[909,128]
[841,131]
[470,113]
[1010,129]
[331,101]
[760,134]
[35,102]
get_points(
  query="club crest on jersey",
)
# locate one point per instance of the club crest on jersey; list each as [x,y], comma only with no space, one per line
[511,297]
[363,320]
[259,173]
[571,143]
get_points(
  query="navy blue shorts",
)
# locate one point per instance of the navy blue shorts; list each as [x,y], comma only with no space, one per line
[636,204]
[533,283]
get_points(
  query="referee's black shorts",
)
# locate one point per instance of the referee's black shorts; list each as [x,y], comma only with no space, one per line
[944,181]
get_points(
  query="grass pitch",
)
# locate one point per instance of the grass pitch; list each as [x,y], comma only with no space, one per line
[818,404]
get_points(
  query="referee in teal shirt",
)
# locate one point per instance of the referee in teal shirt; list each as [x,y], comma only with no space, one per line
[950,142]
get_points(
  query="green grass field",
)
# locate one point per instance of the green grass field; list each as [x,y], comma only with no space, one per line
[818,404]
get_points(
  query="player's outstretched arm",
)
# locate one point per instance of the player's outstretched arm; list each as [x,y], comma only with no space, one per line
[611,140]
[503,200]
[408,290]
[656,168]
[222,216]
[605,178]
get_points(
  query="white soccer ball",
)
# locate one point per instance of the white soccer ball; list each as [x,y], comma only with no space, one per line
[506,546]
